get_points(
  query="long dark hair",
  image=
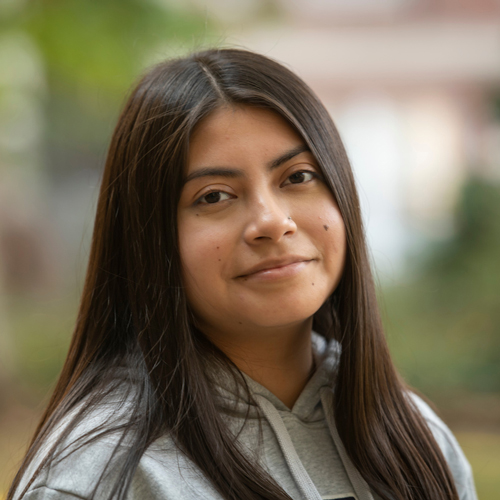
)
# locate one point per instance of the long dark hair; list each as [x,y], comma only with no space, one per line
[134,316]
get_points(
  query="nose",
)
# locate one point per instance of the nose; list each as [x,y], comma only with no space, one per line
[269,220]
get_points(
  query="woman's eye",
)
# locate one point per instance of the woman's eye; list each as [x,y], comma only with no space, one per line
[214,197]
[300,177]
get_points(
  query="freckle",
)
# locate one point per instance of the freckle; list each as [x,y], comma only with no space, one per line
[217,248]
[239,322]
[219,260]
[197,215]
[313,284]
[326,227]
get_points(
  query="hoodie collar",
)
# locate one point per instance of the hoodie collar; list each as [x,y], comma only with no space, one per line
[234,398]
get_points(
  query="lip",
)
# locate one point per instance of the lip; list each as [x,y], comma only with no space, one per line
[276,267]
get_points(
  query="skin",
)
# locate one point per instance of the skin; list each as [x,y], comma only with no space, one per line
[255,197]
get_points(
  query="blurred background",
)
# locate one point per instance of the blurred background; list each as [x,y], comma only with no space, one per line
[414,88]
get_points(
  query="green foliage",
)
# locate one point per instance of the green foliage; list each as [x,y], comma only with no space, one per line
[41,335]
[482,452]
[90,52]
[101,44]
[444,326]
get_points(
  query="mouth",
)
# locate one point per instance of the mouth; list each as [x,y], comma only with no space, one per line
[277,267]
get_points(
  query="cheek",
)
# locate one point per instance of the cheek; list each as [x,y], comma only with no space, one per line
[337,247]
[329,232]
[202,252]
[333,229]
[325,223]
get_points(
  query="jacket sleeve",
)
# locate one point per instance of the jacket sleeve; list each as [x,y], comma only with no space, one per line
[457,462]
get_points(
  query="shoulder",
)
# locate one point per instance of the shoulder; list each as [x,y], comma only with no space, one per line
[90,463]
[75,454]
[457,462]
[163,473]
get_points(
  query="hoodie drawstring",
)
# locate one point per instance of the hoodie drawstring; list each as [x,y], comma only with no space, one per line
[358,483]
[293,461]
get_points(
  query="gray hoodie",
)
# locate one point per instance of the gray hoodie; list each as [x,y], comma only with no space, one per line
[299,447]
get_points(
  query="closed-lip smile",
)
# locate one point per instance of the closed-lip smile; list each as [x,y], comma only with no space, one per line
[269,264]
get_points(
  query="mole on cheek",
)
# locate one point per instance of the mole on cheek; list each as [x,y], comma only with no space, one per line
[326,227]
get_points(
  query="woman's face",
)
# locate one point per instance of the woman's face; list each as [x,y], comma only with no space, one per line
[262,241]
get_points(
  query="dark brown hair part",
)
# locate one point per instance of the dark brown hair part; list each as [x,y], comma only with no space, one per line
[134,317]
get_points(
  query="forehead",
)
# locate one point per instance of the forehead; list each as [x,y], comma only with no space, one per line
[240,133]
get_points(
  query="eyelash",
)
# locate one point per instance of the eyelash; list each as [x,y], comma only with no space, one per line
[314,175]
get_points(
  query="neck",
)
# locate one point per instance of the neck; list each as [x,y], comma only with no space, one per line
[280,359]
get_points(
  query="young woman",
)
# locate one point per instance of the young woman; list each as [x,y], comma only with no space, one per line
[228,342]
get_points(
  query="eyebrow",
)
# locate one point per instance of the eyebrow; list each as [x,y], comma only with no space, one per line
[287,156]
[232,173]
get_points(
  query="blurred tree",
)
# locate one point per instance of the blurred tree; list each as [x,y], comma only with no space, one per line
[91,53]
[444,326]
[100,44]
